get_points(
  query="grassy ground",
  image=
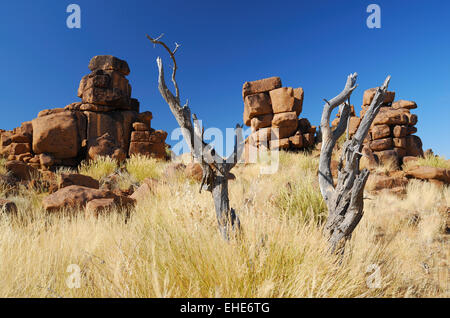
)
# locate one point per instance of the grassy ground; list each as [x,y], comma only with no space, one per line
[171,246]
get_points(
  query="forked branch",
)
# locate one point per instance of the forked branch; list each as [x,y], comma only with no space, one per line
[216,170]
[345,200]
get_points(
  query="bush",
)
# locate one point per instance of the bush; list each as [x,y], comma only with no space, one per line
[99,168]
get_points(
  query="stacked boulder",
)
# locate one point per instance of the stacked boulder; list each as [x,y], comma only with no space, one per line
[391,136]
[100,125]
[272,113]
[147,141]
[353,121]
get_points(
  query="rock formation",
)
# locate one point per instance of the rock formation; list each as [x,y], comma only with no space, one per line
[391,135]
[272,113]
[100,125]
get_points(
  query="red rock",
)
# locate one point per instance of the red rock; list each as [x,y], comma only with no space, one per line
[426,173]
[380,131]
[370,94]
[19,148]
[260,86]
[353,125]
[401,152]
[298,100]
[59,134]
[69,179]
[283,100]
[414,146]
[262,121]
[21,170]
[138,126]
[279,144]
[147,188]
[404,104]
[399,142]
[381,144]
[380,182]
[296,141]
[390,116]
[75,197]
[256,105]
[145,117]
[409,159]
[99,207]
[386,156]
[304,125]
[47,112]
[118,124]
[103,146]
[108,62]
[288,119]
[309,139]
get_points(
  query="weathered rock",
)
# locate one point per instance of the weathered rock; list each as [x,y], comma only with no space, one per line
[139,126]
[387,156]
[380,131]
[59,135]
[297,141]
[404,104]
[19,148]
[414,146]
[69,179]
[381,144]
[103,146]
[309,139]
[279,144]
[47,112]
[8,207]
[118,124]
[75,197]
[108,62]
[145,117]
[256,105]
[283,100]
[147,188]
[304,125]
[262,121]
[298,100]
[353,125]
[399,142]
[370,94]
[428,173]
[260,86]
[157,150]
[21,170]
[288,119]
[380,182]
[99,207]
[390,116]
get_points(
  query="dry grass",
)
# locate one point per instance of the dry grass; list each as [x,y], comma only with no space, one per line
[141,167]
[429,161]
[99,168]
[171,246]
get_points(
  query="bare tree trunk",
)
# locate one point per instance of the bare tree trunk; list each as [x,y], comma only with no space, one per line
[345,200]
[216,170]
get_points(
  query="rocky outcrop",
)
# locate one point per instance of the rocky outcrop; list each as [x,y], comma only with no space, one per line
[75,197]
[390,137]
[100,125]
[272,113]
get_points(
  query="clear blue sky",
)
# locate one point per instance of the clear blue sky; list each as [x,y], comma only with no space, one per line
[312,44]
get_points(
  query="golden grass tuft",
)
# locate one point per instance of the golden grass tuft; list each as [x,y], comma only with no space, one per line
[99,168]
[429,160]
[142,167]
[171,246]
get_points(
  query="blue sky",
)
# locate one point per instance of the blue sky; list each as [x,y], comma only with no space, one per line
[312,44]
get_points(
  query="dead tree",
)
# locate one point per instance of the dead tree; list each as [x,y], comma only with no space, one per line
[345,199]
[216,170]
